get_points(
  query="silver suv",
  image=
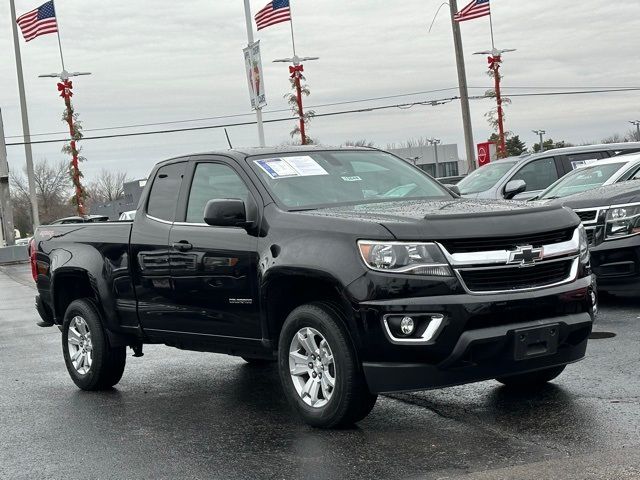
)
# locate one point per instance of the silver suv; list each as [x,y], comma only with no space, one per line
[524,177]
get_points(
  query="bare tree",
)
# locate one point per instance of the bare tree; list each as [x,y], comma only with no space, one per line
[409,143]
[108,186]
[633,135]
[615,138]
[53,190]
[358,143]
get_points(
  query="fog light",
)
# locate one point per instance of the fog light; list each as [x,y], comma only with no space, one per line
[407,326]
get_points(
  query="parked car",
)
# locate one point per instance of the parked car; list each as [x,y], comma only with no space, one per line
[80,219]
[611,217]
[300,255]
[524,177]
[594,175]
[130,215]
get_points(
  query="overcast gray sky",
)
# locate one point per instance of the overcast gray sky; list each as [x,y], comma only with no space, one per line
[166,61]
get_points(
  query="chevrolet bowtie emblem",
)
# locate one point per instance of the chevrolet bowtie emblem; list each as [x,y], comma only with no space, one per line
[525,255]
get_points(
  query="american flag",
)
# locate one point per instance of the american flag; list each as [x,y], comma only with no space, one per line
[38,22]
[476,9]
[277,11]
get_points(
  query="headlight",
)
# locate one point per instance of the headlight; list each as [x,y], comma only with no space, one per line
[623,221]
[401,257]
[584,244]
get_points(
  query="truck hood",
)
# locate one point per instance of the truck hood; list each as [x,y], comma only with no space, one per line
[457,218]
[617,194]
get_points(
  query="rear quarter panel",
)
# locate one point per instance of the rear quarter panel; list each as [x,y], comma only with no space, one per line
[99,251]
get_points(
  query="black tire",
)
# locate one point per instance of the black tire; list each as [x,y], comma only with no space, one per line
[531,380]
[350,400]
[107,364]
[258,362]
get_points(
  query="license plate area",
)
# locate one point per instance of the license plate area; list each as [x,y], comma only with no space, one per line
[536,341]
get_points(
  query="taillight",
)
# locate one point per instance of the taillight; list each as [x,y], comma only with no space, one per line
[32,258]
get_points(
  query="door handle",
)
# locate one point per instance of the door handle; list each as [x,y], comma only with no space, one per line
[182,246]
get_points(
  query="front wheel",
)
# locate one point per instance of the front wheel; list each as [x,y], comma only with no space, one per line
[319,370]
[91,362]
[532,379]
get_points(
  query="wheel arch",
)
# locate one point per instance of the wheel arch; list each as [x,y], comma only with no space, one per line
[284,291]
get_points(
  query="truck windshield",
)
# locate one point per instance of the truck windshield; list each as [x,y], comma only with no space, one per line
[581,180]
[485,177]
[319,179]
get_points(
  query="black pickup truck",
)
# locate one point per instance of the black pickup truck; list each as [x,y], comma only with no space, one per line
[611,216]
[354,270]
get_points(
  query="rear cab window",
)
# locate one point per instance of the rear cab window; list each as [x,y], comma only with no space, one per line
[163,197]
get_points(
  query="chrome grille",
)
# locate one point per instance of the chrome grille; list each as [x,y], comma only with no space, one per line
[507,243]
[516,277]
[587,215]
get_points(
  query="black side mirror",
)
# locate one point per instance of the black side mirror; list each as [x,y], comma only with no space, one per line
[225,212]
[513,188]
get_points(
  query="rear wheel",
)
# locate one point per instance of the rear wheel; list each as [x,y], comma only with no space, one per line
[319,370]
[91,362]
[531,379]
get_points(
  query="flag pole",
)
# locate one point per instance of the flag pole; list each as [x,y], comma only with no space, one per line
[247,14]
[35,217]
[493,45]
[58,32]
[293,40]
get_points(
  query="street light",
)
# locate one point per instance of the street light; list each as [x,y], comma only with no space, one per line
[64,75]
[296,72]
[495,59]
[435,142]
[541,133]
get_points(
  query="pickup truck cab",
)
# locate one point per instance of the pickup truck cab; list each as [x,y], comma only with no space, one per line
[354,270]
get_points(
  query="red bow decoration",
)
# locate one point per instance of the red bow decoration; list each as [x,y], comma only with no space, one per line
[493,61]
[295,69]
[65,89]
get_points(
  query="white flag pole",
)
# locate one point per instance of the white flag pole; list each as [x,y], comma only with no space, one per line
[249,20]
[35,217]
[58,32]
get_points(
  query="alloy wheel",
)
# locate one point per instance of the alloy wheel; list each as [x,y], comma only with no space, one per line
[312,367]
[79,345]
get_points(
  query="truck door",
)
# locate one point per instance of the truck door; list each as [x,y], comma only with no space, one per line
[150,248]
[214,269]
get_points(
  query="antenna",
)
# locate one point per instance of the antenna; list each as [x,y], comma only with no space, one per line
[228,139]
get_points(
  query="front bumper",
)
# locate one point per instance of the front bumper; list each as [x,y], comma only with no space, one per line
[483,354]
[616,264]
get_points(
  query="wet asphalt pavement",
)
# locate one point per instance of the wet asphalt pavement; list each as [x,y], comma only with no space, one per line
[182,414]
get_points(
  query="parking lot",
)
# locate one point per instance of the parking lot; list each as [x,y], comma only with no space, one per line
[197,415]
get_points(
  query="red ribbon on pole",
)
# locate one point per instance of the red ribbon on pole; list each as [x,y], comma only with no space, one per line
[492,61]
[293,70]
[65,89]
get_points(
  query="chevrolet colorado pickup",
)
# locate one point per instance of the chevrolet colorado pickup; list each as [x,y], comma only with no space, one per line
[354,270]
[611,217]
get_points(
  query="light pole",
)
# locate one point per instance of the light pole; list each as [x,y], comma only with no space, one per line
[495,59]
[435,142]
[541,133]
[35,215]
[296,73]
[637,124]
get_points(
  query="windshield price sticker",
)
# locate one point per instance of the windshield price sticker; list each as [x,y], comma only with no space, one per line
[351,179]
[303,166]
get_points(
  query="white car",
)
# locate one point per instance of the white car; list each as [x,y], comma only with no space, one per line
[594,175]
[130,215]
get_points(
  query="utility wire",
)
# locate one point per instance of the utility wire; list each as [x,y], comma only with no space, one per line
[329,114]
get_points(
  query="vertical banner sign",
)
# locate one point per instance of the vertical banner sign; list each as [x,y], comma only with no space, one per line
[486,153]
[255,77]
